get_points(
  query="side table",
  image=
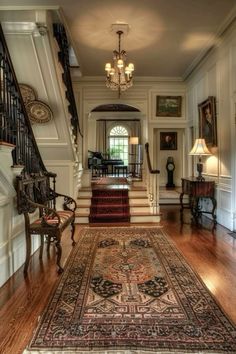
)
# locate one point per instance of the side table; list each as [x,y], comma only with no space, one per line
[197,190]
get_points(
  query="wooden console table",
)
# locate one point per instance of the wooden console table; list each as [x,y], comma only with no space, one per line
[197,190]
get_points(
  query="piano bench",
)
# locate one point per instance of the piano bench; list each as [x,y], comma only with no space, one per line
[100,170]
[121,168]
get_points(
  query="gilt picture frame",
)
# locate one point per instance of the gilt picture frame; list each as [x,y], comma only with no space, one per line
[168,140]
[207,121]
[168,106]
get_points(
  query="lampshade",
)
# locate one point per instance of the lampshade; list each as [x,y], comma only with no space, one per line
[133,140]
[200,148]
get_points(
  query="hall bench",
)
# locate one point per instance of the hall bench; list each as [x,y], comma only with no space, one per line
[35,196]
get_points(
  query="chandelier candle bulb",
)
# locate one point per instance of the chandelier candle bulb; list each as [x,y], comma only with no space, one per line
[131,66]
[120,63]
[107,67]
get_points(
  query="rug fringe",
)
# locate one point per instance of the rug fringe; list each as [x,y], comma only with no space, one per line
[156,351]
[125,226]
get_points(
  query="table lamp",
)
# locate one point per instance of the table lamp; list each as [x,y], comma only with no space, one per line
[133,140]
[200,149]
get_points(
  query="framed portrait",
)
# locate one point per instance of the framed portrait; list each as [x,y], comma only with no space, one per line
[207,121]
[168,106]
[168,141]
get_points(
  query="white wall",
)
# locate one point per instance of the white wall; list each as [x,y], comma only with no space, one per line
[216,76]
[12,235]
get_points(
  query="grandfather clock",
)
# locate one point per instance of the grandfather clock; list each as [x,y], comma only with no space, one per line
[170,166]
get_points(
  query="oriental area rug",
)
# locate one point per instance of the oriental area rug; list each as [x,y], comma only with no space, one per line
[129,290]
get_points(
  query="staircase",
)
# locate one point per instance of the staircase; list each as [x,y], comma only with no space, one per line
[139,207]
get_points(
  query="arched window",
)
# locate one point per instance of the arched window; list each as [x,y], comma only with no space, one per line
[118,143]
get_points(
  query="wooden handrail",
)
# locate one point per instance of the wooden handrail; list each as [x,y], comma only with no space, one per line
[63,56]
[149,161]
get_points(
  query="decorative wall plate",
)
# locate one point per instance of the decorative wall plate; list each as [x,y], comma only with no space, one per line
[39,112]
[28,94]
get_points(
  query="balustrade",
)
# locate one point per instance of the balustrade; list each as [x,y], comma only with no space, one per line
[153,185]
[15,127]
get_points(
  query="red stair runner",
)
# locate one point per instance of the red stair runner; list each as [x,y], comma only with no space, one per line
[109,205]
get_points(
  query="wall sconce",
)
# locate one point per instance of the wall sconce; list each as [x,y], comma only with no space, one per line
[200,149]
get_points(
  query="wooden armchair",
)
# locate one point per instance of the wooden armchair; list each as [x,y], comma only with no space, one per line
[35,194]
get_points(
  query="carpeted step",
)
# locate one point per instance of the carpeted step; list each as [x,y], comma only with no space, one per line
[109,209]
[110,193]
[109,200]
[109,218]
[109,205]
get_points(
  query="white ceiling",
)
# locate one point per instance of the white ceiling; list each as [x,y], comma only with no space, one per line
[166,37]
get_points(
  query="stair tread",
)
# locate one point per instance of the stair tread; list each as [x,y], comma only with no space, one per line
[84,197]
[110,205]
[81,214]
[144,214]
[139,205]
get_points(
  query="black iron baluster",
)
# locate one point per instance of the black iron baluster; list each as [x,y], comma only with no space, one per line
[15,126]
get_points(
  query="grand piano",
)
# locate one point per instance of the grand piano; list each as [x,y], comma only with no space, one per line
[97,161]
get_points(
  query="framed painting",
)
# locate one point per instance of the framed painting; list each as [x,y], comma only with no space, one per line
[168,106]
[207,121]
[168,141]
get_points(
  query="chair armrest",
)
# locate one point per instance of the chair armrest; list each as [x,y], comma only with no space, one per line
[47,214]
[69,202]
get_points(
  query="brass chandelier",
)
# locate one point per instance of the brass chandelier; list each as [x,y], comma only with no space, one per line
[119,76]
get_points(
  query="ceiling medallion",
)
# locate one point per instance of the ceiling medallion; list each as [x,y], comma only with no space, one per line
[119,76]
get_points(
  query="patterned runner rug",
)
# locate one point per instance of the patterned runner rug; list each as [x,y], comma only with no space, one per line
[130,289]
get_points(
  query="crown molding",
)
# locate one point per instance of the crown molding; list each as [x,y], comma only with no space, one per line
[212,43]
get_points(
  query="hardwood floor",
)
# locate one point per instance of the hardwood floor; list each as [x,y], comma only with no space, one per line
[213,256]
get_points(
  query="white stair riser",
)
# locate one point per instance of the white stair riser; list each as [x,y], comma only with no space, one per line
[137,194]
[81,220]
[145,218]
[82,210]
[139,209]
[135,201]
[83,202]
[84,194]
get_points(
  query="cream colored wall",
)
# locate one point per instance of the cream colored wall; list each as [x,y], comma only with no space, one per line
[92,93]
[12,238]
[217,77]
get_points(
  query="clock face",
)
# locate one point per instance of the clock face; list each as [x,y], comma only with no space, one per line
[170,166]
